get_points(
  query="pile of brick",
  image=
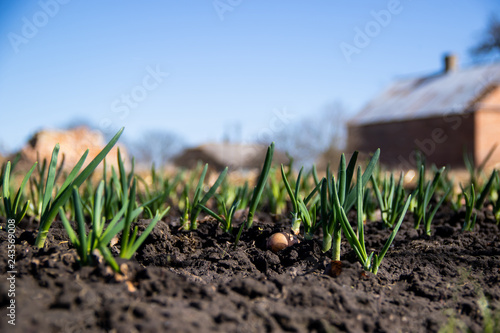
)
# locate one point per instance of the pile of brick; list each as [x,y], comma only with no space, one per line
[72,143]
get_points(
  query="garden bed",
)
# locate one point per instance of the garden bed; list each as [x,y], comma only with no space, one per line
[196,281]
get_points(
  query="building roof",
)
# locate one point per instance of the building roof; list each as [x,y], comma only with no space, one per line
[233,155]
[455,91]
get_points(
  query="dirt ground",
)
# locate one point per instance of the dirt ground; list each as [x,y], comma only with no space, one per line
[197,281]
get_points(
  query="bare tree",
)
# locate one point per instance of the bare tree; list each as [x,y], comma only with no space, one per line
[3,150]
[310,137]
[156,146]
[490,44]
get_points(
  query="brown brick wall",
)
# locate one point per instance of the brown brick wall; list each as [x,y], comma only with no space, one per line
[441,139]
[492,98]
[487,128]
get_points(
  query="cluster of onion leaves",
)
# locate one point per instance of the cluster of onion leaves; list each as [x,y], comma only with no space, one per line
[356,240]
[470,201]
[192,208]
[14,209]
[390,199]
[229,201]
[261,183]
[300,213]
[346,195]
[475,200]
[485,190]
[36,183]
[100,233]
[226,217]
[116,188]
[275,193]
[51,205]
[423,210]
[130,244]
[257,192]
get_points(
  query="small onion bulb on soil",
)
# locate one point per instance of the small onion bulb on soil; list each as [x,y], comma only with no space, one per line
[281,240]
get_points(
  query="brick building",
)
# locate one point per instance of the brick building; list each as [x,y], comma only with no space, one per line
[439,115]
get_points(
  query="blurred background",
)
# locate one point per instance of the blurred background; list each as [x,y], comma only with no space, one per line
[179,75]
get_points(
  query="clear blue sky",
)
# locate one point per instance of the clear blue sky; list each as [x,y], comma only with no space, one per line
[228,61]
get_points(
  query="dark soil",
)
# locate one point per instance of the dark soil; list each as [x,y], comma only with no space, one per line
[197,282]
